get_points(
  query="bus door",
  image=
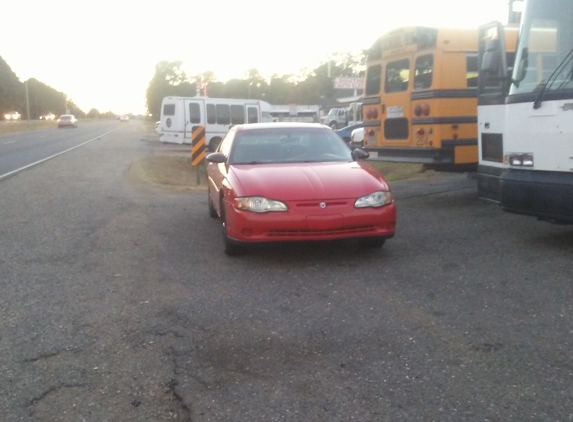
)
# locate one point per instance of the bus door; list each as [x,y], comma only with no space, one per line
[395,102]
[194,112]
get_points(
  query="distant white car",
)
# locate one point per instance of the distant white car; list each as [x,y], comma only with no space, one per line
[124,118]
[49,116]
[67,120]
[357,138]
[13,115]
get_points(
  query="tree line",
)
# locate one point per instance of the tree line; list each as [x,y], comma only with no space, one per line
[310,87]
[42,99]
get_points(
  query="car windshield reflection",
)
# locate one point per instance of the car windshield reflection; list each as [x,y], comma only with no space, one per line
[288,145]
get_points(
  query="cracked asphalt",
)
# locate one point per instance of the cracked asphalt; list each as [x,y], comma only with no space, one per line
[118,304]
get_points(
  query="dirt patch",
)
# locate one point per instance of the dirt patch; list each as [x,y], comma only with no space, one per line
[401,171]
[168,172]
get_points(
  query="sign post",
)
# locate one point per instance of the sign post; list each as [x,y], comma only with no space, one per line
[197,148]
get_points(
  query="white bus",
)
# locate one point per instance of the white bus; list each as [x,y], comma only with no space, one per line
[296,113]
[491,109]
[179,115]
[536,136]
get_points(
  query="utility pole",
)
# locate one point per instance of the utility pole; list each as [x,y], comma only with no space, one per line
[27,103]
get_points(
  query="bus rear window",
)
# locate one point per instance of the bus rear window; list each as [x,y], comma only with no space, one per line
[169,109]
[423,72]
[397,76]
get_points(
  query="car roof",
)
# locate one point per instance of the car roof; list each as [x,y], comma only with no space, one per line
[280,125]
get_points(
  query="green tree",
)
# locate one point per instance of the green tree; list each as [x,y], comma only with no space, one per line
[93,113]
[11,91]
[168,80]
[44,99]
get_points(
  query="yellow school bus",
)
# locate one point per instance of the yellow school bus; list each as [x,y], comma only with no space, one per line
[420,98]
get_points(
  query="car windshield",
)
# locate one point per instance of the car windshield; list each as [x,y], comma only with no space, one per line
[66,117]
[288,145]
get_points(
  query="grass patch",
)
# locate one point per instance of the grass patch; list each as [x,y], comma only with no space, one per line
[168,171]
[24,126]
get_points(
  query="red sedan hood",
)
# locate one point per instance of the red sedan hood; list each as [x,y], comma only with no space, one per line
[306,181]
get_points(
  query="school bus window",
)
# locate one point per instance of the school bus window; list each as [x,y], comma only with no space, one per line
[397,76]
[252,115]
[423,73]
[223,114]
[211,114]
[373,78]
[472,70]
[237,114]
[194,113]
[169,109]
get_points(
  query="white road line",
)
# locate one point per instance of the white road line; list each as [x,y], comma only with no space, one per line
[3,176]
[9,142]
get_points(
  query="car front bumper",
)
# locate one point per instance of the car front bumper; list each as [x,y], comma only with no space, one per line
[342,222]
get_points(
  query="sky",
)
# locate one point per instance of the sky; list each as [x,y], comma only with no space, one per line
[102,53]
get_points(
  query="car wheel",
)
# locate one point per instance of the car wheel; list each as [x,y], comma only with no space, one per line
[334,126]
[212,210]
[372,242]
[230,248]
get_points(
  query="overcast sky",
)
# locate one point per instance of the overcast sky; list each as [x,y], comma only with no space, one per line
[102,53]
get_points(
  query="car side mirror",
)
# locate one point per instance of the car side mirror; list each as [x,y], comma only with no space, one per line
[360,154]
[216,157]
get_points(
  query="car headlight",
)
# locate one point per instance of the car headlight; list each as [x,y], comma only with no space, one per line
[376,199]
[259,204]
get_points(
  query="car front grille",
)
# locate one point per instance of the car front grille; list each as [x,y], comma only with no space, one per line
[318,232]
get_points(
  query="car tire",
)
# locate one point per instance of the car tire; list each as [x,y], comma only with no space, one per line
[372,242]
[230,248]
[212,210]
[334,125]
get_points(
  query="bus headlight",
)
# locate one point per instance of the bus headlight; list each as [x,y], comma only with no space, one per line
[376,199]
[520,160]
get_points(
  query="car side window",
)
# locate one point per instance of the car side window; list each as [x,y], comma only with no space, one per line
[225,146]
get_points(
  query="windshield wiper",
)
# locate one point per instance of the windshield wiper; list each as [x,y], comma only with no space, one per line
[552,78]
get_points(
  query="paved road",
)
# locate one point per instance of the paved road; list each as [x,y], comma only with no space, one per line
[18,150]
[118,304]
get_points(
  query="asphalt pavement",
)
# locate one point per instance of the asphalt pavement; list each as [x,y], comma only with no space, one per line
[118,304]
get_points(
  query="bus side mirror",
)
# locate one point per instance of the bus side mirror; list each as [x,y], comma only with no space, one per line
[491,62]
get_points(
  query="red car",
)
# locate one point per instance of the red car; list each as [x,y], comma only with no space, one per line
[272,182]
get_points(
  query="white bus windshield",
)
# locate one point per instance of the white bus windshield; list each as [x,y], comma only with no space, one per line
[544,56]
